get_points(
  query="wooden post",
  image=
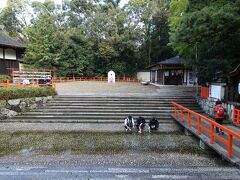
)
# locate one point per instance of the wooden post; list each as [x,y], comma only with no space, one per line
[181,114]
[230,141]
[211,134]
[189,120]
[53,85]
[199,125]
[8,83]
[234,116]
[37,84]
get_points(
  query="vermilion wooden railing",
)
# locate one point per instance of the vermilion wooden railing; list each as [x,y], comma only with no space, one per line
[118,79]
[204,92]
[195,119]
[8,84]
[236,116]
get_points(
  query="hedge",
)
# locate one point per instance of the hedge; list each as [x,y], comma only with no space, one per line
[25,92]
[4,78]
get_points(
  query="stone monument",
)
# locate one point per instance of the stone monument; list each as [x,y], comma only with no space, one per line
[111,77]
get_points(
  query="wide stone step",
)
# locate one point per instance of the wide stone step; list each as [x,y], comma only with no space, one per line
[92,108]
[106,109]
[115,121]
[93,116]
[113,108]
[146,98]
[123,102]
[124,97]
[120,104]
[104,112]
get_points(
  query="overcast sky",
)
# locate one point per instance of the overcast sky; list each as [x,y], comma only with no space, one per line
[4,2]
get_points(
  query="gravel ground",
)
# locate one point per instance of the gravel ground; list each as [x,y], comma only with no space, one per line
[103,87]
[105,149]
[119,88]
[14,127]
[127,160]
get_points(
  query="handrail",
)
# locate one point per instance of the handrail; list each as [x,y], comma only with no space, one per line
[236,116]
[179,110]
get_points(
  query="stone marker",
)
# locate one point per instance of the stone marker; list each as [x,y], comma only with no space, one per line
[111,77]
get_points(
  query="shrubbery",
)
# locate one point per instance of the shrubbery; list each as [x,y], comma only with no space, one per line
[4,78]
[25,92]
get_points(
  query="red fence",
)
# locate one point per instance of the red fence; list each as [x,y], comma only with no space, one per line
[118,79]
[194,119]
[204,92]
[18,84]
[236,117]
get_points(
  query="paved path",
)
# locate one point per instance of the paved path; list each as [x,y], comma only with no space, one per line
[32,172]
[127,166]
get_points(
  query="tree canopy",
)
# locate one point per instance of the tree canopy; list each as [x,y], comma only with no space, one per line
[91,37]
[208,36]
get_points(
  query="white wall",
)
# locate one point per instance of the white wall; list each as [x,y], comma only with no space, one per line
[217,91]
[10,54]
[143,76]
[1,53]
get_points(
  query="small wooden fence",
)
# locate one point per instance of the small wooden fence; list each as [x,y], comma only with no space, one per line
[9,84]
[197,120]
[118,79]
[236,117]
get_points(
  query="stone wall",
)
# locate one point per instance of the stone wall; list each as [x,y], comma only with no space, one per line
[208,104]
[15,107]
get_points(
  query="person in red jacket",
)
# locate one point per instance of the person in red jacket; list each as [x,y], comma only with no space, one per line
[219,115]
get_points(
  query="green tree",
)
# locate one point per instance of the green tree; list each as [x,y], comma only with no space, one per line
[115,40]
[177,10]
[209,38]
[152,18]
[14,17]
[76,55]
[44,43]
[160,36]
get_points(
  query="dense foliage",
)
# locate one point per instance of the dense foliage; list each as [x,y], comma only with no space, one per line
[208,36]
[25,92]
[4,78]
[91,37]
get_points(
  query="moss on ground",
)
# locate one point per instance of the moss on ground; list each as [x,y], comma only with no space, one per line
[94,143]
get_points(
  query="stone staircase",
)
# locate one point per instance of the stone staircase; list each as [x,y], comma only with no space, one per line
[105,109]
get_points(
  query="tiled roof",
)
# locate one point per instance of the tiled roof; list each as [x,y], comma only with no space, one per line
[6,40]
[235,72]
[173,60]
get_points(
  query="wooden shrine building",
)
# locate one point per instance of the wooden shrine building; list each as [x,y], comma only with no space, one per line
[171,72]
[232,93]
[11,52]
